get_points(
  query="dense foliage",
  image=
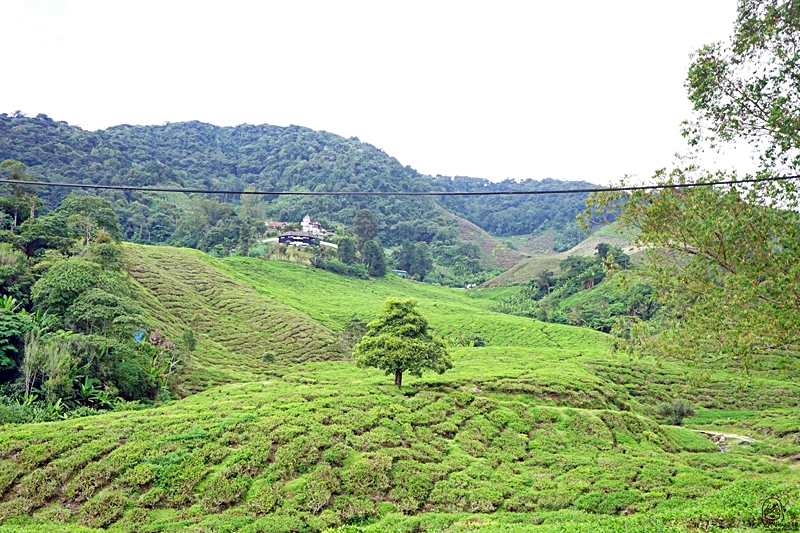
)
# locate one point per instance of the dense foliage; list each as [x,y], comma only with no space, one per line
[265,157]
[598,292]
[724,259]
[398,341]
[67,317]
[518,215]
[749,88]
[725,264]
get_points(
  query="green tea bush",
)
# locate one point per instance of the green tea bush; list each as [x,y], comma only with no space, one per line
[225,488]
[675,411]
[104,509]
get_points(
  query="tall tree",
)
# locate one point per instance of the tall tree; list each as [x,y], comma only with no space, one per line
[63,283]
[365,226]
[726,262]
[421,262]
[398,341]
[405,256]
[98,210]
[346,253]
[726,259]
[749,88]
[372,256]
[20,200]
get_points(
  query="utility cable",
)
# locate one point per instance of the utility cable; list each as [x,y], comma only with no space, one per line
[395,193]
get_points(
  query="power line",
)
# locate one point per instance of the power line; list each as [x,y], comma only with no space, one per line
[394,193]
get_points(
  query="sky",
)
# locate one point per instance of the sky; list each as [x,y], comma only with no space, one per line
[580,90]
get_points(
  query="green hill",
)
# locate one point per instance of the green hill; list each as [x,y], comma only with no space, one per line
[461,232]
[542,258]
[198,155]
[540,429]
[234,324]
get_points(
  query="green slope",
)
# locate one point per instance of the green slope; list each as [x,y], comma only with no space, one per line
[284,457]
[234,325]
[542,258]
[540,430]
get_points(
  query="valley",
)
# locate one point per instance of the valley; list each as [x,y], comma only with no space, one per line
[540,428]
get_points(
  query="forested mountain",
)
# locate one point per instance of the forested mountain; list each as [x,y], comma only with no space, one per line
[518,214]
[194,154]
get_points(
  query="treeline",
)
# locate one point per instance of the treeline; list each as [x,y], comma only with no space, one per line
[264,157]
[600,292]
[518,214]
[67,314]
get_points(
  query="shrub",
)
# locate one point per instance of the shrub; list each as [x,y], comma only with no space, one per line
[103,510]
[676,411]
[343,269]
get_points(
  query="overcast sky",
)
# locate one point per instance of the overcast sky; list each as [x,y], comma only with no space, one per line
[568,90]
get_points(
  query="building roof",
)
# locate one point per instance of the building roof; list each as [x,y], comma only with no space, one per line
[298,234]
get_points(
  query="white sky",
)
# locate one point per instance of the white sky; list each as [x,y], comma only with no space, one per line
[568,90]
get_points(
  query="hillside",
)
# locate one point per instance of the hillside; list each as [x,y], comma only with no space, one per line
[234,324]
[199,155]
[542,259]
[540,429]
[497,254]
[263,157]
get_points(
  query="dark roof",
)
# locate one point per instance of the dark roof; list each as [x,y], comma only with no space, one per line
[298,234]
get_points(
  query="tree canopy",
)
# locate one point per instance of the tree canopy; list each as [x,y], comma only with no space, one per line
[372,256]
[749,88]
[399,341]
[725,260]
[726,264]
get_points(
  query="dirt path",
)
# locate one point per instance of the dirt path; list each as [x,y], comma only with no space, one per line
[716,436]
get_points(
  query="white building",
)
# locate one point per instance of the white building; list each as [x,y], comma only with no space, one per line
[312,226]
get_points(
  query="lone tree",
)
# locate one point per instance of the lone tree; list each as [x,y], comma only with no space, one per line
[399,341]
[365,226]
[372,256]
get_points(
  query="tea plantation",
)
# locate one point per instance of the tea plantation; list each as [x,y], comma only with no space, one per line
[537,428]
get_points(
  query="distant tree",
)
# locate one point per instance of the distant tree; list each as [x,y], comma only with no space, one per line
[421,262]
[13,326]
[398,341]
[19,200]
[268,357]
[99,211]
[545,280]
[372,256]
[346,253]
[63,283]
[106,254]
[84,225]
[602,249]
[405,256]
[50,231]
[15,274]
[98,311]
[365,226]
[676,411]
[189,341]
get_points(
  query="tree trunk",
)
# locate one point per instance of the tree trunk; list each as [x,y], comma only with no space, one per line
[398,377]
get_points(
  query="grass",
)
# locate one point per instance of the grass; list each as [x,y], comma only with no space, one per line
[541,430]
[266,454]
[233,324]
[541,259]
